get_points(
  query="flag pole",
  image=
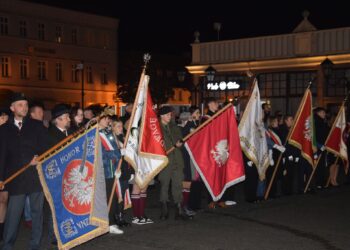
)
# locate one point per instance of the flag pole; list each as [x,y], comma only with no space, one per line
[329,177]
[146,59]
[201,126]
[286,142]
[314,169]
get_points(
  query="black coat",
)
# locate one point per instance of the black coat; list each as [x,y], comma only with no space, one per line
[17,148]
[56,135]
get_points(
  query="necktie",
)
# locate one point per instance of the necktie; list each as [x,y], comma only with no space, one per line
[19,125]
[65,132]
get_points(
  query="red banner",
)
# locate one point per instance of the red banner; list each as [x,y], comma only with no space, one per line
[302,135]
[216,153]
[152,141]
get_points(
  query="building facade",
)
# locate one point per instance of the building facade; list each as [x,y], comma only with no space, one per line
[283,65]
[56,55]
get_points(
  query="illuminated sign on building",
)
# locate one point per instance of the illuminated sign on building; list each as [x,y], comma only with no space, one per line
[222,85]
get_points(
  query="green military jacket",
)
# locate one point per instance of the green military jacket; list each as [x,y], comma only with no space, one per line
[172,134]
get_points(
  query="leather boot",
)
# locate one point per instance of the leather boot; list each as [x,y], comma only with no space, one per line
[164,215]
[180,213]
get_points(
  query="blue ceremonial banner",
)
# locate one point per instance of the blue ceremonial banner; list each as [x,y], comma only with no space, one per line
[74,186]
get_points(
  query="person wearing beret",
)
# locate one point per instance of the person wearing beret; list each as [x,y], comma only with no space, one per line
[173,172]
[22,140]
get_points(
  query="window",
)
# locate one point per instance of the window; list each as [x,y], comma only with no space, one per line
[23,28]
[41,31]
[74,36]
[42,70]
[4,26]
[284,84]
[58,34]
[104,79]
[89,74]
[336,84]
[5,67]
[298,82]
[59,72]
[75,73]
[23,68]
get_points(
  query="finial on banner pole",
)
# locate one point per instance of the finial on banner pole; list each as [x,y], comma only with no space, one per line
[146,59]
[311,82]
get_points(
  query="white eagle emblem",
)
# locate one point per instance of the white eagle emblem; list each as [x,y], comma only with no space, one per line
[307,129]
[220,154]
[77,188]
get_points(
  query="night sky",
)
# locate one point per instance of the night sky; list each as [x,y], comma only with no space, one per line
[168,26]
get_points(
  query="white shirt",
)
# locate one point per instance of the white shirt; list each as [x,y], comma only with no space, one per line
[64,131]
[17,123]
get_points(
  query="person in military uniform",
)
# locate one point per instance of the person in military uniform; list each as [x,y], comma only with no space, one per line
[173,172]
[22,140]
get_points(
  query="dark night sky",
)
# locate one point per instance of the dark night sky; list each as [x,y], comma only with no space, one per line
[168,26]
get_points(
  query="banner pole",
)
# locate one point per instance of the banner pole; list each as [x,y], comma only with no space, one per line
[201,126]
[147,58]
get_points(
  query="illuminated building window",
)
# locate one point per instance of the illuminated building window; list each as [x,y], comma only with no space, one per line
[59,34]
[74,36]
[89,74]
[23,28]
[23,68]
[41,31]
[59,72]
[104,79]
[75,73]
[5,67]
[4,26]
[42,70]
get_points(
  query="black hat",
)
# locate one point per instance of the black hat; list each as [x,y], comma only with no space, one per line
[165,110]
[5,111]
[318,109]
[18,97]
[59,110]
[211,99]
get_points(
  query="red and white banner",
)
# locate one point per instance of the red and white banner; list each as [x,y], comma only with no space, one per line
[336,141]
[145,144]
[303,132]
[216,153]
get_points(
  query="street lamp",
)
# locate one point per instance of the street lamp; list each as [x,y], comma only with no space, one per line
[327,67]
[80,66]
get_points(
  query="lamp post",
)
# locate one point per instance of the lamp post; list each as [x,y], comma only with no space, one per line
[80,66]
[210,75]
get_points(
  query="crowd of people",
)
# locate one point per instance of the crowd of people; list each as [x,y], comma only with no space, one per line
[25,134]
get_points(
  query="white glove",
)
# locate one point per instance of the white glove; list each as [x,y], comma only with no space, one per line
[284,160]
[250,163]
[322,148]
[132,177]
[117,173]
[271,158]
[296,159]
[315,156]
[290,157]
[279,148]
[284,172]
[122,151]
